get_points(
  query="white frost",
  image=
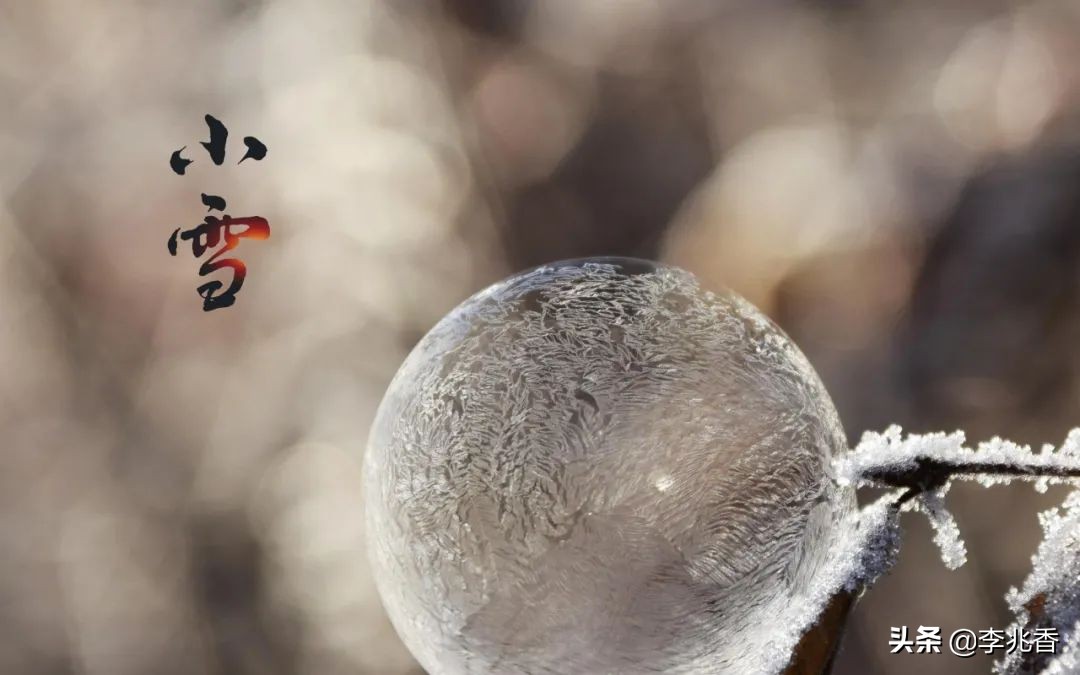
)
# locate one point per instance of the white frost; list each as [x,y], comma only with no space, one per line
[946,533]
[1054,585]
[866,550]
[889,453]
[889,450]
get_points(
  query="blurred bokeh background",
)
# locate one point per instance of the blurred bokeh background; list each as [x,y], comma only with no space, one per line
[896,184]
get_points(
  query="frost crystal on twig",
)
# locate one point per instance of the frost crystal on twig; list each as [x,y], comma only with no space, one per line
[929,461]
[924,466]
[946,533]
[1050,597]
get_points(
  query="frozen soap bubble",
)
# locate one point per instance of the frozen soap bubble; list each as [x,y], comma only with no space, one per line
[597,466]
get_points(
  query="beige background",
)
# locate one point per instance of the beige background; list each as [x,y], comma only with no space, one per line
[897,184]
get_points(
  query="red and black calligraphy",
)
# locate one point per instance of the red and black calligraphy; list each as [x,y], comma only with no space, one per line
[225,231]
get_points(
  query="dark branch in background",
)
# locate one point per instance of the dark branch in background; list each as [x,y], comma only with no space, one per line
[931,473]
[817,649]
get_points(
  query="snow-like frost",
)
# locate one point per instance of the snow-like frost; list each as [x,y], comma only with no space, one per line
[1067,661]
[866,548]
[889,449]
[946,533]
[926,464]
[1050,596]
[879,452]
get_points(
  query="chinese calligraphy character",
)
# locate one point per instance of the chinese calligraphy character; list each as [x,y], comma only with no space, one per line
[928,640]
[215,147]
[898,640]
[226,230]
[210,234]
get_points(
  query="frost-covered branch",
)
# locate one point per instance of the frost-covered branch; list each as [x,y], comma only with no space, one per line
[924,462]
[1050,596]
[921,469]
[946,532]
[924,466]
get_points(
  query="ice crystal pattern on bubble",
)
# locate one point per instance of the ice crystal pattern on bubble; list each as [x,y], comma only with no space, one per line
[598,466]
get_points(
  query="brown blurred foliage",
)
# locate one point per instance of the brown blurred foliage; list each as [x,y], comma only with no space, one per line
[897,184]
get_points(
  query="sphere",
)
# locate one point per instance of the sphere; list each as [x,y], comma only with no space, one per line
[598,466]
